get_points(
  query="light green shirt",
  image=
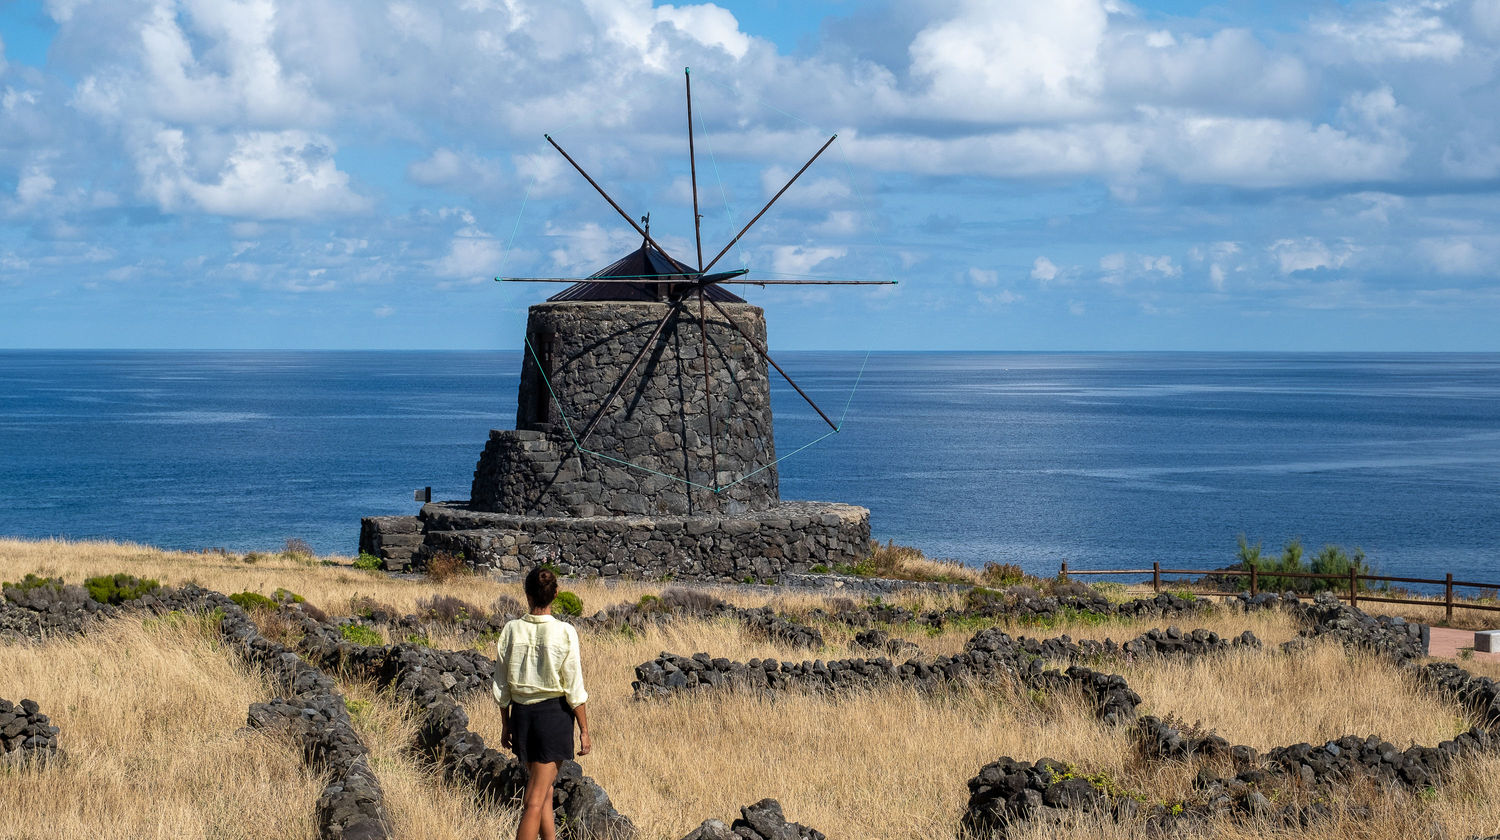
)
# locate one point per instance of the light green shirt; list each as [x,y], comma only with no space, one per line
[538,660]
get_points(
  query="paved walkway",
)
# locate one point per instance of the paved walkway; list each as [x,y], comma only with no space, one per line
[1446,641]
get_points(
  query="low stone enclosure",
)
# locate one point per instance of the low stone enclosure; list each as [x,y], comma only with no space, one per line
[732,547]
[1232,782]
[1008,792]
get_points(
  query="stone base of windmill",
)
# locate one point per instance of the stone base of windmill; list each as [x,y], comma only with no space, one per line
[790,538]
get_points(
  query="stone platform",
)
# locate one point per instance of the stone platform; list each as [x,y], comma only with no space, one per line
[790,537]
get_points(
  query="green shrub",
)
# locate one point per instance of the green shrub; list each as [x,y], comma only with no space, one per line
[1331,560]
[359,710]
[368,562]
[568,603]
[31,581]
[248,601]
[361,635]
[117,589]
[820,569]
[649,603]
[285,596]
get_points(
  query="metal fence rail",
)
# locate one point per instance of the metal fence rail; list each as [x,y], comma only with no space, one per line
[1353,595]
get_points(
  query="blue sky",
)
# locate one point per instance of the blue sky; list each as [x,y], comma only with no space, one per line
[1076,174]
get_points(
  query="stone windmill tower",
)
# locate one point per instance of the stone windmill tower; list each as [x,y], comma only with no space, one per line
[643,442]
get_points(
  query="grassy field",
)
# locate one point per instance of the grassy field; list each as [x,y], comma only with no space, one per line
[888,764]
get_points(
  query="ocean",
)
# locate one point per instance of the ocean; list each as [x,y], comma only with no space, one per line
[1105,460]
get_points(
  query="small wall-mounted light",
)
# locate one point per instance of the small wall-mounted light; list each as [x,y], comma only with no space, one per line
[423,495]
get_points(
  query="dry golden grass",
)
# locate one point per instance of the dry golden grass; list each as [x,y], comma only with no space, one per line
[887,764]
[150,719]
[884,764]
[421,805]
[1267,699]
[1436,613]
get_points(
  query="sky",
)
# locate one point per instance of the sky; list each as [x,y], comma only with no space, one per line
[1067,175]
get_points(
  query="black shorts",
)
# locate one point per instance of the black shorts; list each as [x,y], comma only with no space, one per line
[543,731]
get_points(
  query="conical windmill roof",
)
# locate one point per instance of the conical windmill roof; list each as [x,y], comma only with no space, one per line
[644,261]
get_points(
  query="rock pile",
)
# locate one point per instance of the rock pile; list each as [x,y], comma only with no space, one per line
[26,735]
[1007,792]
[1479,695]
[761,821]
[879,640]
[1328,617]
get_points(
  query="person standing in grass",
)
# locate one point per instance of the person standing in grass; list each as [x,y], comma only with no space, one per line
[539,686]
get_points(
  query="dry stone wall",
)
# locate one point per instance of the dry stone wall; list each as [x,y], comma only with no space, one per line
[988,658]
[1302,780]
[763,545]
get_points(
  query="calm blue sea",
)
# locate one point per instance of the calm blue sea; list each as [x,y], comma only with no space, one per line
[1102,459]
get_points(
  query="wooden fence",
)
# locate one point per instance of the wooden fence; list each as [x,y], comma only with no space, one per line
[1353,595]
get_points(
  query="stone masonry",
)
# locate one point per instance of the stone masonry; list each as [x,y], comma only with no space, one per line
[659,420]
[792,537]
[667,483]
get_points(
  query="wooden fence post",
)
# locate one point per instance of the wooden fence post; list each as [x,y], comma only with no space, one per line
[1064,573]
[1156,577]
[1448,599]
[1254,580]
[1353,588]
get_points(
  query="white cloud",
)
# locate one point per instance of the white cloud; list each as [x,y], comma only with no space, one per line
[1162,265]
[1461,255]
[1229,69]
[1403,31]
[1044,271]
[33,187]
[998,60]
[1309,253]
[799,259]
[1004,297]
[590,247]
[473,256]
[807,192]
[707,24]
[984,277]
[1217,255]
[463,171]
[264,175]
[383,311]
[236,78]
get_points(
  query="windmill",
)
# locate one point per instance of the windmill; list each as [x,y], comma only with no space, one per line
[691,298]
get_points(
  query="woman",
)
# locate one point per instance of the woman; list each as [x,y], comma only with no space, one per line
[539,686]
